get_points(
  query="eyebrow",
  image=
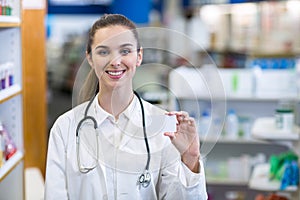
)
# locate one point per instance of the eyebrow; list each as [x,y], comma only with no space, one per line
[127,44]
[121,46]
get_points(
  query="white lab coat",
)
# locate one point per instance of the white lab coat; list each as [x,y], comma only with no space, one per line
[121,160]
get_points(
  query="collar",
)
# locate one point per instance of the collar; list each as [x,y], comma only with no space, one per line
[132,111]
[129,111]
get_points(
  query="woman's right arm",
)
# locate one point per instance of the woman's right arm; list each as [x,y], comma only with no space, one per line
[55,183]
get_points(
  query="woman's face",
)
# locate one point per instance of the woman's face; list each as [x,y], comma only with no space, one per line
[114,56]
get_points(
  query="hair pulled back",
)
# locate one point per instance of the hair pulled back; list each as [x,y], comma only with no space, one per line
[90,86]
[111,20]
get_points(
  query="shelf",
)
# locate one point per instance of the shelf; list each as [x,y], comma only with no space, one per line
[260,180]
[245,98]
[262,99]
[255,53]
[9,21]
[10,164]
[264,128]
[11,100]
[10,92]
[226,182]
[224,140]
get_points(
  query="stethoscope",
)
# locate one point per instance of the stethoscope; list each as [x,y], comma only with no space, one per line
[145,178]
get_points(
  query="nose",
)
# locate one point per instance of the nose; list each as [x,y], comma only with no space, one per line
[115,61]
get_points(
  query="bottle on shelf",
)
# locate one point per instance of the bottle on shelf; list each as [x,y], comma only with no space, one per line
[231,124]
[11,75]
[2,160]
[2,80]
[284,116]
[244,127]
[298,76]
[10,147]
[6,8]
[6,75]
[1,7]
[204,123]
[3,2]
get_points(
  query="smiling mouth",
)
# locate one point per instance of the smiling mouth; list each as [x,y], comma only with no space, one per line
[115,73]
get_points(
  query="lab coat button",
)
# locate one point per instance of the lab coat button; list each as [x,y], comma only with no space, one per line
[105,197]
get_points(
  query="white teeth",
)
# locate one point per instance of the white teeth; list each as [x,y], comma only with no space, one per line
[115,73]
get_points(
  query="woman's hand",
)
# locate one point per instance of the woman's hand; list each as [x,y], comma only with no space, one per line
[186,140]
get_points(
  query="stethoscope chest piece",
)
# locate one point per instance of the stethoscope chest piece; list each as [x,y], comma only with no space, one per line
[145,179]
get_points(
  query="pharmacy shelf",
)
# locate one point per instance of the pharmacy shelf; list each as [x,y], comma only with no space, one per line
[245,98]
[265,129]
[10,92]
[225,140]
[260,180]
[9,19]
[12,172]
[262,98]
[10,164]
[226,182]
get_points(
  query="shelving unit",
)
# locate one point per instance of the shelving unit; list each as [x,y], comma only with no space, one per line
[224,140]
[264,129]
[11,107]
[225,182]
[260,180]
[217,149]
[241,36]
[11,164]
[221,147]
[9,21]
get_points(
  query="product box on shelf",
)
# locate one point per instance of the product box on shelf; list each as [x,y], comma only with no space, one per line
[276,83]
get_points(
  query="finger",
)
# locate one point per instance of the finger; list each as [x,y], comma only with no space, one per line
[192,121]
[170,113]
[189,121]
[182,115]
[172,136]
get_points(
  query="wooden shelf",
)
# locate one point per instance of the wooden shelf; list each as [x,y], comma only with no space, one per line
[10,92]
[9,21]
[11,164]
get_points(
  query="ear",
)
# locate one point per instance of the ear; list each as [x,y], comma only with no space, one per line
[89,59]
[139,57]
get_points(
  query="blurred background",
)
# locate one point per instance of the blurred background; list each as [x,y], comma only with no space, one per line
[234,65]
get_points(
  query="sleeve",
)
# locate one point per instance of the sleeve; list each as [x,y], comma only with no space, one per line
[55,181]
[177,181]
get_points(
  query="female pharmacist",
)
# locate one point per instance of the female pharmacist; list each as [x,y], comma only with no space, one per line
[104,148]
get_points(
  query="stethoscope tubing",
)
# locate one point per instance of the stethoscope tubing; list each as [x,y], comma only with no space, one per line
[144,131]
[145,177]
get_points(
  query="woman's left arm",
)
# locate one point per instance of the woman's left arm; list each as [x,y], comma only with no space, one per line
[186,140]
[186,180]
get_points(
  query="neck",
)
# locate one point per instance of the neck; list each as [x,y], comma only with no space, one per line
[115,101]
